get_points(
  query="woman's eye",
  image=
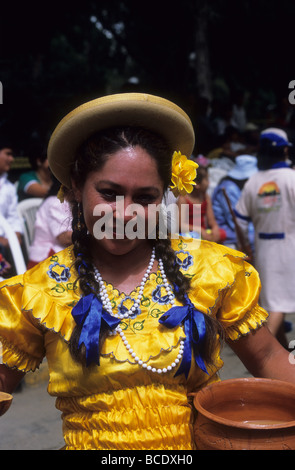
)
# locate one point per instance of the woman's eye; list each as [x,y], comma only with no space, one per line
[145,199]
[111,195]
[108,194]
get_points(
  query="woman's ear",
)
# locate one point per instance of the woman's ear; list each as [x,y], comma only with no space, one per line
[76,191]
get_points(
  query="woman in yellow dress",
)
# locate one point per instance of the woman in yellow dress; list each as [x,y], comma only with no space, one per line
[130,325]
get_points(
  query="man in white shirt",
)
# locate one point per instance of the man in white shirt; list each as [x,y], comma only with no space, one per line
[268,199]
[8,196]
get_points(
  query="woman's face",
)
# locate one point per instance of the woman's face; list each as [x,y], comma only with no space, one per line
[204,184]
[6,159]
[129,176]
[43,164]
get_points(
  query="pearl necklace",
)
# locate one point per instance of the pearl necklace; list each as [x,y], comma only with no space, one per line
[118,330]
[105,298]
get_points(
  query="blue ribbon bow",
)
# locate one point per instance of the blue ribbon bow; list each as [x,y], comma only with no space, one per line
[90,313]
[194,329]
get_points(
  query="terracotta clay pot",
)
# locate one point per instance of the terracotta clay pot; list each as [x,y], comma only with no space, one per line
[245,414]
[5,402]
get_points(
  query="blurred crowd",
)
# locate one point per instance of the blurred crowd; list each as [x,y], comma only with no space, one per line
[52,223]
[246,191]
[229,128]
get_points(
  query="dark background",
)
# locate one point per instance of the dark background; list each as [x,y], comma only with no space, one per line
[55,55]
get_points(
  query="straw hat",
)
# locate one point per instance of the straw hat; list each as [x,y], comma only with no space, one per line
[127,109]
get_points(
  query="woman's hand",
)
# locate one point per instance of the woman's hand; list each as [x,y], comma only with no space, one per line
[9,380]
[5,402]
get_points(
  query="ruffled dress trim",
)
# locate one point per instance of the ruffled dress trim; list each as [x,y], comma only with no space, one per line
[150,417]
[52,315]
[32,304]
[17,359]
[253,320]
[120,354]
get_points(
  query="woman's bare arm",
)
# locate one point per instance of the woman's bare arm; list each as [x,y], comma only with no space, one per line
[263,355]
[37,190]
[9,378]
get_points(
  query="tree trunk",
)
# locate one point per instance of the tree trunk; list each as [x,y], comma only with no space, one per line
[202,61]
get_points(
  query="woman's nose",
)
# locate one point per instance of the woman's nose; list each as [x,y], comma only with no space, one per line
[123,209]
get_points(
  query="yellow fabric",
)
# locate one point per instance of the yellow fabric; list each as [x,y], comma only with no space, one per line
[119,405]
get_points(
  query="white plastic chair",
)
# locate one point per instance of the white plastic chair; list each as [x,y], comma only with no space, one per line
[27,211]
[15,248]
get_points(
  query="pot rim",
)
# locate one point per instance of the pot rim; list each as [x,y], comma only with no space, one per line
[241,424]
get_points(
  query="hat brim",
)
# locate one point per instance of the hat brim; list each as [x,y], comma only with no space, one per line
[127,109]
[239,175]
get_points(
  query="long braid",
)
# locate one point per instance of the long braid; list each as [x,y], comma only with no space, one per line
[81,244]
[173,273]
[83,266]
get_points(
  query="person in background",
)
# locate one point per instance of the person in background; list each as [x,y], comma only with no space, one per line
[37,182]
[53,230]
[4,267]
[268,200]
[224,118]
[232,184]
[230,145]
[8,198]
[199,202]
[239,115]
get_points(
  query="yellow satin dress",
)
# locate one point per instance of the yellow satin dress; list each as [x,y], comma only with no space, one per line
[119,404]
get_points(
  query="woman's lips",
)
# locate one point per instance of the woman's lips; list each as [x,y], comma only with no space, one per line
[119,234]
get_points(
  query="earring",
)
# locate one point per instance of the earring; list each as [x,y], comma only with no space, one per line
[80,225]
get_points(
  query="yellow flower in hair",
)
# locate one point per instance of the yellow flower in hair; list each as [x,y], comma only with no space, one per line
[61,193]
[184,172]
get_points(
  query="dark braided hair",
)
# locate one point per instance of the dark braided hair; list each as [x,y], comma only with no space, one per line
[92,156]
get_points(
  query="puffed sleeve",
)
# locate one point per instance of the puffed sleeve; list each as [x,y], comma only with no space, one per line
[21,335]
[239,310]
[223,285]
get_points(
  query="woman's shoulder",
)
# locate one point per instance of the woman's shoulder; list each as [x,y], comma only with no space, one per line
[203,251]
[50,280]
[223,284]
[208,263]
[35,302]
[56,270]
[28,176]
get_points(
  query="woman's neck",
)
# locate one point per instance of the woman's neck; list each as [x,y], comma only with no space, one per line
[197,196]
[123,271]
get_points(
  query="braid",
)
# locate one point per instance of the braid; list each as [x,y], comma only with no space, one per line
[81,244]
[173,273]
[86,279]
